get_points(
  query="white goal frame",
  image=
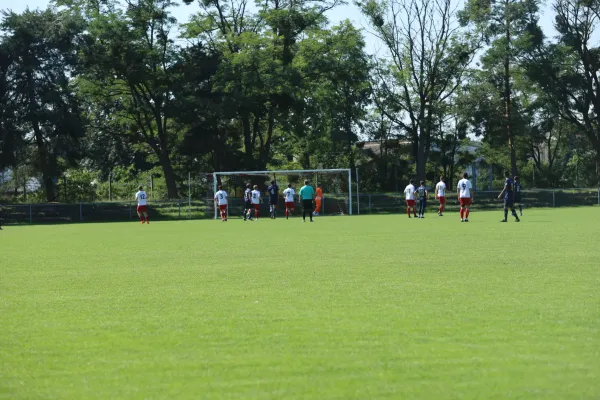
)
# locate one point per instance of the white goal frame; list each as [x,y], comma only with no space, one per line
[287,171]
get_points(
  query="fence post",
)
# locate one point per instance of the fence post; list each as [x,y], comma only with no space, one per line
[599,196]
[189,195]
[179,203]
[357,194]
[369,203]
[130,215]
[30,214]
[80,212]
[553,198]
[110,187]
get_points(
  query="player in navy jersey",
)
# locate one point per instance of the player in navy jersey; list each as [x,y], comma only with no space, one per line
[273,191]
[509,199]
[422,193]
[518,195]
[248,202]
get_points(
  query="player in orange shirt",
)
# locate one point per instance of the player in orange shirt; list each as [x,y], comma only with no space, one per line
[318,199]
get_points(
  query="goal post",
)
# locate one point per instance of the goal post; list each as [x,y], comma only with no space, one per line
[336,184]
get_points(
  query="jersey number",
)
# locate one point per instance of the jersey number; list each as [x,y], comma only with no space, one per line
[464,186]
[221,195]
[142,196]
[254,196]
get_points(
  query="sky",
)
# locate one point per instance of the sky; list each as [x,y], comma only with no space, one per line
[349,11]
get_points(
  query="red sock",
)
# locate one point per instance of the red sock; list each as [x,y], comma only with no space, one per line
[141,218]
[467,214]
[462,213]
[147,219]
[441,209]
[408,211]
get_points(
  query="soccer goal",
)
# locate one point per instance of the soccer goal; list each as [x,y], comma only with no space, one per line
[335,183]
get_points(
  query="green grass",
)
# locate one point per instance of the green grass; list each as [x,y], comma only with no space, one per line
[374,307]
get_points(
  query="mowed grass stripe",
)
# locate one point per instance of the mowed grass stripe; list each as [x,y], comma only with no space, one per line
[377,307]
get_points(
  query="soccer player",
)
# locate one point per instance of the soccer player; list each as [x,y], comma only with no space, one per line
[509,199]
[248,202]
[256,200]
[518,195]
[440,194]
[273,197]
[422,193]
[409,192]
[289,194]
[221,201]
[465,197]
[142,208]
[307,194]
[318,199]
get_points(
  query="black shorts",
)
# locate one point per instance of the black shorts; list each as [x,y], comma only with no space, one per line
[272,201]
[307,205]
[508,203]
[247,204]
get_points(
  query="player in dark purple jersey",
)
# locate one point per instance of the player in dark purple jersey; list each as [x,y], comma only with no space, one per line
[509,198]
[273,191]
[248,202]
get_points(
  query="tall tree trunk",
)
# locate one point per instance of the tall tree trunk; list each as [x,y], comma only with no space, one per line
[249,159]
[507,99]
[43,163]
[167,167]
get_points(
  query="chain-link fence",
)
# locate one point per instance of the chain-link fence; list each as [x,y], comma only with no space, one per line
[367,203]
[198,206]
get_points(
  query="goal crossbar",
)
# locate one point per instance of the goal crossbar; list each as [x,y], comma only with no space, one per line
[288,171]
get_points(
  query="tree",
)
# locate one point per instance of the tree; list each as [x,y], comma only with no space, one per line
[132,67]
[41,47]
[568,71]
[428,54]
[511,29]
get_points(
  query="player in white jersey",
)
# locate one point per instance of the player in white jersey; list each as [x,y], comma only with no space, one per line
[440,194]
[256,200]
[221,201]
[409,192]
[289,194]
[142,208]
[464,190]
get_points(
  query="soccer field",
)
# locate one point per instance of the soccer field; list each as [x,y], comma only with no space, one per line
[364,307]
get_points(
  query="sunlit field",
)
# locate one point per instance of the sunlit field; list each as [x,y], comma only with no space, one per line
[363,307]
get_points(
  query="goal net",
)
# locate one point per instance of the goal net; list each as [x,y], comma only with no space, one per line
[335,184]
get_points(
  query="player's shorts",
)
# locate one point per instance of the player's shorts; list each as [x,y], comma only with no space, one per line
[517,198]
[142,209]
[307,205]
[223,207]
[256,207]
[508,203]
[289,205]
[272,201]
[442,199]
[410,203]
[247,205]
[465,201]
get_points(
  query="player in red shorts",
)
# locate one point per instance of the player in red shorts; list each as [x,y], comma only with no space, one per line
[289,194]
[256,200]
[142,209]
[440,194]
[465,197]
[409,191]
[221,201]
